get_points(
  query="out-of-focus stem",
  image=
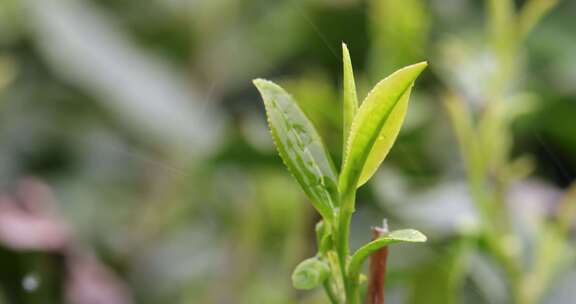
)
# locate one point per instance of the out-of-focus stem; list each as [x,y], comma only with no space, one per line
[531,14]
[567,210]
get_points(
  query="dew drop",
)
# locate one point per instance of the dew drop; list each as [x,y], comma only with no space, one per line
[30,282]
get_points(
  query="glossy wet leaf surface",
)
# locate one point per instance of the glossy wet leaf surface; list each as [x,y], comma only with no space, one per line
[300,147]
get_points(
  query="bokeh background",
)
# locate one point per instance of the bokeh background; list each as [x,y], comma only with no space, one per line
[136,165]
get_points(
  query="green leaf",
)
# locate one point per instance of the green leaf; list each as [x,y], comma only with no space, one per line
[406,235]
[376,126]
[349,95]
[300,147]
[398,236]
[310,273]
[386,139]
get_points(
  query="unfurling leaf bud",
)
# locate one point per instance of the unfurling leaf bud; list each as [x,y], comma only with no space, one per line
[310,273]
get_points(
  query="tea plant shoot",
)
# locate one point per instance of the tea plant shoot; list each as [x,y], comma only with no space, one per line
[369,132]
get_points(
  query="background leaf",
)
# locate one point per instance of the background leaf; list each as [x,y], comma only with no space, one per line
[300,147]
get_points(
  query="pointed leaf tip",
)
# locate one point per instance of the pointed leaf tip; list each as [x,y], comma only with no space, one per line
[261,83]
[344,46]
[350,100]
[407,235]
[420,65]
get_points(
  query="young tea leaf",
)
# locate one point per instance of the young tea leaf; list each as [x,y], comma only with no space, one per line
[398,236]
[300,147]
[310,273]
[376,126]
[386,138]
[349,96]
[406,235]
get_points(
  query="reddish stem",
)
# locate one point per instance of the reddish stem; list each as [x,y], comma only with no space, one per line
[377,270]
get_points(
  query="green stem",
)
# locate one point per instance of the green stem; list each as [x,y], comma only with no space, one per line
[330,292]
[343,236]
[343,239]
